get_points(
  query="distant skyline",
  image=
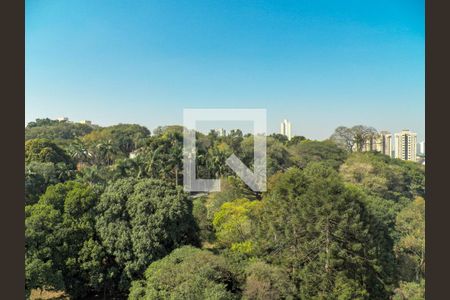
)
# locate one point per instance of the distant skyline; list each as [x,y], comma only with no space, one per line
[319,64]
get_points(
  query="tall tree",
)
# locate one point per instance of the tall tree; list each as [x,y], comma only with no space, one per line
[410,247]
[58,228]
[234,224]
[140,221]
[354,138]
[43,150]
[188,273]
[321,231]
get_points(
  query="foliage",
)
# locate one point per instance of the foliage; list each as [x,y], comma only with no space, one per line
[234,223]
[266,282]
[232,188]
[58,228]
[315,151]
[124,137]
[278,158]
[140,221]
[332,225]
[320,230]
[410,248]
[200,213]
[354,138]
[40,175]
[382,176]
[187,273]
[41,122]
[56,130]
[410,291]
[43,150]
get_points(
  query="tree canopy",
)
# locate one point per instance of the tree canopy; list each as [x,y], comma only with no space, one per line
[107,217]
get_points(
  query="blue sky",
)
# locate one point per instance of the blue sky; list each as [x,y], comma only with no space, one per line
[320,64]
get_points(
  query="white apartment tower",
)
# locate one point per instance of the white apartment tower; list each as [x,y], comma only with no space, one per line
[405,145]
[285,129]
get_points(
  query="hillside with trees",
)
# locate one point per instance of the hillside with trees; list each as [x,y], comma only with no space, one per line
[107,217]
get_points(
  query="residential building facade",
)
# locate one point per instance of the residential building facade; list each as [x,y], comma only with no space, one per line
[383,143]
[406,145]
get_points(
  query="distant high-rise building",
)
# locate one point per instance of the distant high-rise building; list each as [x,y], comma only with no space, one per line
[421,149]
[406,145]
[62,119]
[87,122]
[285,129]
[383,143]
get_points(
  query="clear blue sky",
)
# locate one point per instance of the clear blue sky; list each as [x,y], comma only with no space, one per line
[318,63]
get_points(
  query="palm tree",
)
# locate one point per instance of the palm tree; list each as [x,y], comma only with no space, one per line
[106,152]
[78,152]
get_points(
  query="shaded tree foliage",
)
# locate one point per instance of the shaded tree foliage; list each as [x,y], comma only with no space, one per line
[266,282]
[354,138]
[40,175]
[187,273]
[58,229]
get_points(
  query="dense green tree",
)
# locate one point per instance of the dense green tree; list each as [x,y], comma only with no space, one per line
[45,164]
[140,221]
[187,273]
[382,176]
[296,139]
[162,157]
[232,188]
[56,130]
[266,282]
[410,291]
[170,129]
[40,175]
[234,224]
[321,231]
[41,122]
[98,175]
[278,158]
[58,228]
[333,224]
[78,151]
[317,151]
[43,150]
[410,248]
[234,140]
[204,224]
[279,137]
[126,137]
